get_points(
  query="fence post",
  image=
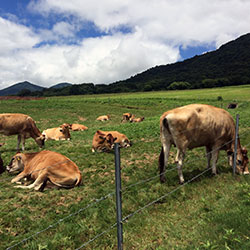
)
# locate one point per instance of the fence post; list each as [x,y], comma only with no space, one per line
[118,196]
[236,142]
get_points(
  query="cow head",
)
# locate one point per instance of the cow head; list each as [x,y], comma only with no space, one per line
[241,161]
[40,140]
[64,128]
[16,164]
[125,143]
[105,142]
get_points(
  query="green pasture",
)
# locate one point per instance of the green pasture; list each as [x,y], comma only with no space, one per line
[207,213]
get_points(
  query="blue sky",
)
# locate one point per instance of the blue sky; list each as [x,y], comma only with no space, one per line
[80,41]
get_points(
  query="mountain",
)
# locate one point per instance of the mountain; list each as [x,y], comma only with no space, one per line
[16,88]
[228,65]
[61,85]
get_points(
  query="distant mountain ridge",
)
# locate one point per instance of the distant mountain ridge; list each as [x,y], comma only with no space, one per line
[18,87]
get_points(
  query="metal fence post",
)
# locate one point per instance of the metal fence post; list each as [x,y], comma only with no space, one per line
[118,196]
[236,142]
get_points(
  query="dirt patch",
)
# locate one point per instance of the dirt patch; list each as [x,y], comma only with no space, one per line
[21,98]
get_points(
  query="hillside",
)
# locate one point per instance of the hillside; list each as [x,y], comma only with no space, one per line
[228,65]
[16,88]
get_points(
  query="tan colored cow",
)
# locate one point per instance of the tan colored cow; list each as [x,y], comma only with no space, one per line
[42,167]
[127,117]
[103,118]
[140,119]
[104,140]
[198,125]
[77,127]
[21,125]
[60,133]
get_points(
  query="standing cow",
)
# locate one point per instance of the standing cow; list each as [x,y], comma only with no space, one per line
[198,125]
[21,125]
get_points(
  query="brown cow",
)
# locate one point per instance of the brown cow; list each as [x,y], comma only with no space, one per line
[104,140]
[60,133]
[42,167]
[198,125]
[77,127]
[127,117]
[1,161]
[103,118]
[137,119]
[23,126]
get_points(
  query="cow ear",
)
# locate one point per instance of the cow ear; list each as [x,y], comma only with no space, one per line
[101,137]
[19,158]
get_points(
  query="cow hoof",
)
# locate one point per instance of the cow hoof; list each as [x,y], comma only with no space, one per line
[163,179]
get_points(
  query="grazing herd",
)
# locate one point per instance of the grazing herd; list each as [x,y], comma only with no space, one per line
[186,127]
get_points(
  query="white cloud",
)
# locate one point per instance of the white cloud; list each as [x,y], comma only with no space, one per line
[158,28]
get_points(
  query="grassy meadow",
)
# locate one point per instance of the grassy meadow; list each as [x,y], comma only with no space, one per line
[208,213]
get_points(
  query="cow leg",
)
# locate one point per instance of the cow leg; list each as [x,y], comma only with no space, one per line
[209,156]
[38,184]
[23,141]
[180,159]
[215,155]
[163,160]
[18,142]
[18,178]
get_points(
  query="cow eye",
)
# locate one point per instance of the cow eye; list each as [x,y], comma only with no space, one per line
[239,162]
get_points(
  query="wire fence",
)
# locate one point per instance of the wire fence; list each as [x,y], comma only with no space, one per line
[124,190]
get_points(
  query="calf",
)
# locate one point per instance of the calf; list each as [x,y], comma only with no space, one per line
[21,125]
[103,118]
[104,140]
[127,117]
[198,125]
[42,167]
[60,133]
[77,127]
[137,119]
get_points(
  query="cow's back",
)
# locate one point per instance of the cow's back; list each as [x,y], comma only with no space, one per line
[11,124]
[198,125]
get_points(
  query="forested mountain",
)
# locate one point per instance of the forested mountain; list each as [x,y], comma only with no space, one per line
[228,65]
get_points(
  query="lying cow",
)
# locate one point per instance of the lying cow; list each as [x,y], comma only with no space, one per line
[60,133]
[21,125]
[198,125]
[104,140]
[127,117]
[140,119]
[42,167]
[77,127]
[1,161]
[103,118]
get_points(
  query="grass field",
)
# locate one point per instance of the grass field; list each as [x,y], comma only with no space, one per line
[207,213]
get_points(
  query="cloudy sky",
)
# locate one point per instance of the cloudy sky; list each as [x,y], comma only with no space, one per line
[101,41]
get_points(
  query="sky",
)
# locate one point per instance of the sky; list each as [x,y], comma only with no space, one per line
[47,42]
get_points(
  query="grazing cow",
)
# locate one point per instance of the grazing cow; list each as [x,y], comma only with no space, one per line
[137,119]
[44,166]
[77,127]
[232,105]
[103,118]
[60,133]
[104,140]
[198,125]
[21,125]
[127,117]
[1,161]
